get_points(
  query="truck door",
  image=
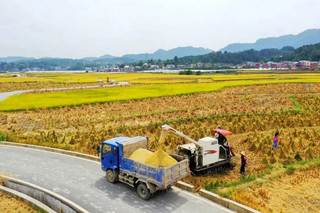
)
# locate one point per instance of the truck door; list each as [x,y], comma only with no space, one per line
[109,156]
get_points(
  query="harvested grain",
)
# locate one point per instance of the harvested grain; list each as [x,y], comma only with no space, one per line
[162,138]
[160,158]
[140,155]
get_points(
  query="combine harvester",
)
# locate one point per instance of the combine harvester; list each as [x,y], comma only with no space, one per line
[205,156]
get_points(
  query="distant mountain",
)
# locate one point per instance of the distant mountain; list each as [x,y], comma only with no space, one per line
[110,59]
[220,59]
[10,59]
[159,54]
[307,37]
[107,56]
[169,54]
[115,60]
[89,58]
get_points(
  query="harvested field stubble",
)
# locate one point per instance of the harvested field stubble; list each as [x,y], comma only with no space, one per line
[299,192]
[9,204]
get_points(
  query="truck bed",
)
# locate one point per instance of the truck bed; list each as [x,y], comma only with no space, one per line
[160,176]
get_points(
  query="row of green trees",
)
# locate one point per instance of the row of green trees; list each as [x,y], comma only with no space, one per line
[307,52]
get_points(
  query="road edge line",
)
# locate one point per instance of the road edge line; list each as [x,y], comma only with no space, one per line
[230,204]
[61,151]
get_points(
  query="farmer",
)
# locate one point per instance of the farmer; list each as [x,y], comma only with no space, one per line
[221,138]
[243,162]
[276,140]
[98,150]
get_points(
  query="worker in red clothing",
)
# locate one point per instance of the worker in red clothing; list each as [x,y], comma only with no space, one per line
[232,151]
[243,162]
[276,140]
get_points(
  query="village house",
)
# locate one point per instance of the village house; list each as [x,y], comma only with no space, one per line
[170,66]
[181,66]
[154,67]
[128,68]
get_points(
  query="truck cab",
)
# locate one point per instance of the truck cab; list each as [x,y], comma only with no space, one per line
[110,153]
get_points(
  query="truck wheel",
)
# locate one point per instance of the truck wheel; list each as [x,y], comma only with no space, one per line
[112,176]
[143,191]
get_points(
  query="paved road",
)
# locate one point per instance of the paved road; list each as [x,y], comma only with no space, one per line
[83,182]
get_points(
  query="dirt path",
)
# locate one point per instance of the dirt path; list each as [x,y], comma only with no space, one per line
[5,95]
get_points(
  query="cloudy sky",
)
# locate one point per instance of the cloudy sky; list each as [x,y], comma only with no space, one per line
[78,28]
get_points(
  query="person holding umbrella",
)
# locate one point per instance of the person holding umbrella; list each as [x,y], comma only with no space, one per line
[220,134]
[222,140]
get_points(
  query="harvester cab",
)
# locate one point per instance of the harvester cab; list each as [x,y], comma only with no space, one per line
[205,155]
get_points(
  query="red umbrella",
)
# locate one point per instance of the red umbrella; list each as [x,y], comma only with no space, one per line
[222,131]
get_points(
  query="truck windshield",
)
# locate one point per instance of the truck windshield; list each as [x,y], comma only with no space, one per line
[106,150]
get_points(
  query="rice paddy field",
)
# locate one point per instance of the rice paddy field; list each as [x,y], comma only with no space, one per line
[251,105]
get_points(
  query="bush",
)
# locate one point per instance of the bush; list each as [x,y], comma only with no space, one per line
[3,137]
[290,169]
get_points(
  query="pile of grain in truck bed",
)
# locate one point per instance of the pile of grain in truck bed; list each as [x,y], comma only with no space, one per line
[156,159]
[140,155]
[160,158]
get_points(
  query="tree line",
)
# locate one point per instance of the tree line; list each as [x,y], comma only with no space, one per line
[222,59]
[307,52]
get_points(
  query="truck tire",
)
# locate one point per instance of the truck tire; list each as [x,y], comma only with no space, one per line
[112,176]
[143,191]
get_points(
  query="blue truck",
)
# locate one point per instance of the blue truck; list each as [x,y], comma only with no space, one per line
[147,179]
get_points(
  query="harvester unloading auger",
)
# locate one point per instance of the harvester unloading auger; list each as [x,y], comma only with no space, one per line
[205,156]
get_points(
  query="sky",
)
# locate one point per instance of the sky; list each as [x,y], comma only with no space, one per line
[91,28]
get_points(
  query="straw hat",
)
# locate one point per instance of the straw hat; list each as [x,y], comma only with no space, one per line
[242,153]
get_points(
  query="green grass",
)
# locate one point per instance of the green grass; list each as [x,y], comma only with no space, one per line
[290,169]
[3,136]
[79,97]
[295,102]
